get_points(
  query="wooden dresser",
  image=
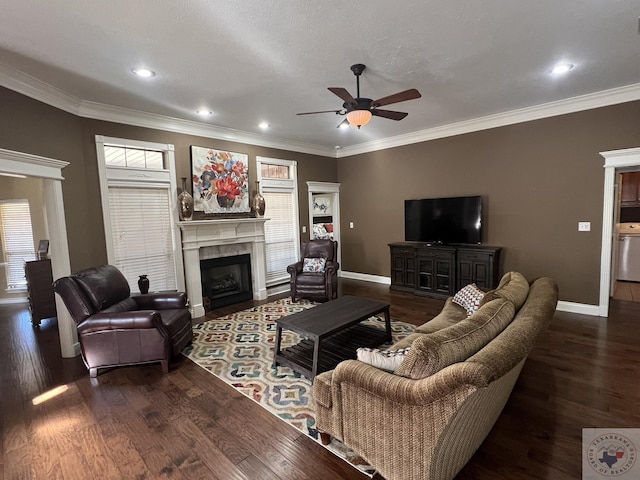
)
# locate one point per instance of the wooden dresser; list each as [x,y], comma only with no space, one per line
[42,302]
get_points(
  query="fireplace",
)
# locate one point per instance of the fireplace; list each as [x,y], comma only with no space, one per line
[220,238]
[225,281]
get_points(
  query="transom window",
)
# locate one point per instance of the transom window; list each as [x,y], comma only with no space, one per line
[115,156]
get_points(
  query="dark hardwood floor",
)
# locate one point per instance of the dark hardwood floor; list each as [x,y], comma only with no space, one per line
[134,422]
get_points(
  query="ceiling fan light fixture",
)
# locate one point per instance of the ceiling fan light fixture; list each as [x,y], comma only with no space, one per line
[359,117]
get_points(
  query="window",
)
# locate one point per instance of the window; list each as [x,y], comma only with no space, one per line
[137,181]
[17,240]
[278,185]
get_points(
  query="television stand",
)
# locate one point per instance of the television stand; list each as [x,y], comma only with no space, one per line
[439,270]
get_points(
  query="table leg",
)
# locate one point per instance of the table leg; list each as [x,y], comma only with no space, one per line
[387,321]
[316,359]
[276,349]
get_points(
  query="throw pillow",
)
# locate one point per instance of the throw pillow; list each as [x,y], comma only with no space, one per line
[387,360]
[469,298]
[328,227]
[314,265]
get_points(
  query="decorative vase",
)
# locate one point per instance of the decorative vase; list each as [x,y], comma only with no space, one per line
[143,284]
[225,202]
[185,203]
[258,204]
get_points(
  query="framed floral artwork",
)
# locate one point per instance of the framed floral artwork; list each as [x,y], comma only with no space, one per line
[220,181]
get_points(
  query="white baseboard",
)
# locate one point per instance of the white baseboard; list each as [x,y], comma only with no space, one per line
[278,289]
[366,277]
[8,301]
[581,308]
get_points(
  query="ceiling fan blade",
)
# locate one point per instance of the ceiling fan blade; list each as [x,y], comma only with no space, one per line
[343,94]
[397,97]
[343,122]
[321,111]
[389,114]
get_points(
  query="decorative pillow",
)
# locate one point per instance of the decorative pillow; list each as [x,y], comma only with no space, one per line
[319,231]
[314,265]
[328,227]
[469,298]
[387,360]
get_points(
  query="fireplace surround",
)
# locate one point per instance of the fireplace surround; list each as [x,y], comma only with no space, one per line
[222,237]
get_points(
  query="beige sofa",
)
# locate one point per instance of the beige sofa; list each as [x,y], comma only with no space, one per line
[427,418]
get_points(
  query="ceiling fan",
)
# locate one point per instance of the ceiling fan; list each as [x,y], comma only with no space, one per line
[359,110]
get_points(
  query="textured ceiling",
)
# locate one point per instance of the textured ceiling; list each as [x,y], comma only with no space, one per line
[251,61]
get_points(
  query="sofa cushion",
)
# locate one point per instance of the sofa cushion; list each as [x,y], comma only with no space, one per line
[469,298]
[450,314]
[387,360]
[513,287]
[433,351]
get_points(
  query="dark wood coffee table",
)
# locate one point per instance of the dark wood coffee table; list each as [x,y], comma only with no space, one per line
[331,332]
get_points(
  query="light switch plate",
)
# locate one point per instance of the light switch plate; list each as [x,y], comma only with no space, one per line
[350,224]
[304,229]
[584,226]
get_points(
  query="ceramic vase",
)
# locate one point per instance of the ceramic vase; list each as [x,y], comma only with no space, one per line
[185,203]
[258,204]
[143,284]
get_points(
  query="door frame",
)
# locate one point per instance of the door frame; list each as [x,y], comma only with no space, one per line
[614,160]
[50,171]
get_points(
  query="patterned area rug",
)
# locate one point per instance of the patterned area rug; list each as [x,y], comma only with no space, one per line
[238,348]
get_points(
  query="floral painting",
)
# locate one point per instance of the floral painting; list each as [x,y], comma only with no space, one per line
[220,181]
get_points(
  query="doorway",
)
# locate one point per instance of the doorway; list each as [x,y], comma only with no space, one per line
[626,244]
[50,171]
[616,161]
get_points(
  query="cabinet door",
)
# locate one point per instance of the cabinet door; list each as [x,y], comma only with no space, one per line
[434,273]
[630,191]
[475,267]
[403,270]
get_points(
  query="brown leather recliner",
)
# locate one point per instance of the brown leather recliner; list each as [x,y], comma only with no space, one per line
[321,286]
[115,328]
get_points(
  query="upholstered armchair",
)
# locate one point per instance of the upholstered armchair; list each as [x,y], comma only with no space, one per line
[316,276]
[115,328]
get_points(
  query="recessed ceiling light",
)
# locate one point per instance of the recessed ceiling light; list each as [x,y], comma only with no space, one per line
[264,125]
[205,112]
[144,72]
[561,68]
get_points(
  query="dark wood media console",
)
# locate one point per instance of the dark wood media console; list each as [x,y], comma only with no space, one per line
[441,270]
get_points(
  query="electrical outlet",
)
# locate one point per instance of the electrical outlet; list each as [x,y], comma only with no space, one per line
[584,226]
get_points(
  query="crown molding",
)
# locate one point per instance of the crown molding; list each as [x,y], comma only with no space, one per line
[38,90]
[589,101]
[32,87]
[100,111]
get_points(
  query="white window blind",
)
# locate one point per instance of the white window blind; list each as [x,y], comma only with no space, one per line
[142,235]
[280,234]
[17,240]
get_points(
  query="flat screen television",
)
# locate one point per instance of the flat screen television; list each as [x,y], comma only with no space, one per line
[443,220]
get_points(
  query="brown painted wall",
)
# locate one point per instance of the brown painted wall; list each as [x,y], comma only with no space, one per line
[30,126]
[537,180]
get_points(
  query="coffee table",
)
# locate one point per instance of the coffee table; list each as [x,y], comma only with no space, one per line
[331,332]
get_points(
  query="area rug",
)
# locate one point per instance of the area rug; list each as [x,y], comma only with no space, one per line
[238,348]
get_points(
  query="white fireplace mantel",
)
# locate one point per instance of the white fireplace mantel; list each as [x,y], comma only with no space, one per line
[221,232]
